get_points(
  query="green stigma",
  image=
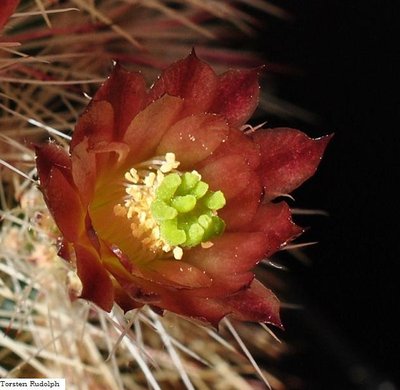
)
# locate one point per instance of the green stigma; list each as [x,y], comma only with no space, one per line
[186,210]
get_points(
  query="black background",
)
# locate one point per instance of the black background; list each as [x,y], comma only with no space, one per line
[344,53]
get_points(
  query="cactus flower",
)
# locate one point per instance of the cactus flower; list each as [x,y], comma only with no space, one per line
[163,200]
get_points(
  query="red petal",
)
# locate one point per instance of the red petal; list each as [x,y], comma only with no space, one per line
[225,285]
[49,156]
[119,149]
[109,154]
[237,95]
[123,300]
[84,170]
[96,282]
[126,91]
[289,158]
[7,9]
[155,274]
[153,278]
[231,253]
[194,138]
[147,128]
[64,249]
[178,272]
[116,262]
[96,123]
[190,79]
[54,168]
[238,143]
[241,209]
[202,309]
[230,174]
[275,220]
[256,304]
[90,165]
[64,204]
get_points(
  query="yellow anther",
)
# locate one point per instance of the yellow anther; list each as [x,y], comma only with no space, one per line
[156,232]
[137,196]
[178,253]
[132,176]
[150,179]
[160,176]
[141,189]
[142,217]
[170,163]
[166,247]
[149,224]
[131,211]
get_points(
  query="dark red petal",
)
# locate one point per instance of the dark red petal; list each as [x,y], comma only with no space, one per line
[230,174]
[190,79]
[108,158]
[119,149]
[203,309]
[54,169]
[288,158]
[139,287]
[231,253]
[134,288]
[84,170]
[148,127]
[49,156]
[178,272]
[155,274]
[64,204]
[194,138]
[275,220]
[256,304]
[122,299]
[151,279]
[241,209]
[96,123]
[116,262]
[224,285]
[239,143]
[126,91]
[64,249]
[7,9]
[237,95]
[96,282]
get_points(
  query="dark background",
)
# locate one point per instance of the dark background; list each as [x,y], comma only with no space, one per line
[343,53]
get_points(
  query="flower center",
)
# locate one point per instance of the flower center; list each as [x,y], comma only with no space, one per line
[169,209]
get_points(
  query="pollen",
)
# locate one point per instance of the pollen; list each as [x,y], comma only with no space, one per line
[170,210]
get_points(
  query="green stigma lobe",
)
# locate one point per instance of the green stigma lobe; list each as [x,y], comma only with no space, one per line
[215,201]
[183,204]
[161,211]
[189,180]
[170,232]
[168,187]
[200,189]
[185,210]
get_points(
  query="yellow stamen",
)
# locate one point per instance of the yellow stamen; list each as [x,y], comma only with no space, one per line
[207,244]
[141,190]
[178,252]
[170,210]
